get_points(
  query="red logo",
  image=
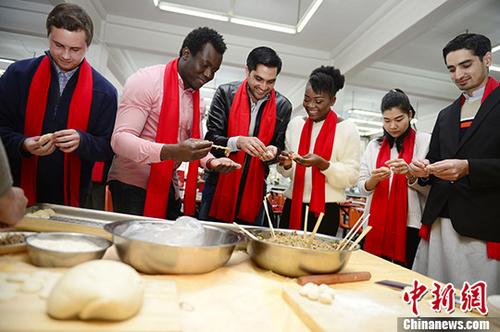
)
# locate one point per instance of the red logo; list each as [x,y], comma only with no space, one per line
[414,295]
[443,297]
[474,297]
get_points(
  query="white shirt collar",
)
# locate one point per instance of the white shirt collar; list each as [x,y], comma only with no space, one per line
[476,95]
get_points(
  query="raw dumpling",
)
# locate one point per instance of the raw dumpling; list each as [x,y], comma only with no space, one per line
[99,289]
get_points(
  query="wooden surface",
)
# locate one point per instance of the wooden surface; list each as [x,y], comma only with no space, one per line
[241,297]
[358,305]
[26,312]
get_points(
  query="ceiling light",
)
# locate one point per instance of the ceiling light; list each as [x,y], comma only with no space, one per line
[374,123]
[228,16]
[362,112]
[313,7]
[264,25]
[365,131]
[496,48]
[170,7]
[495,68]
[8,61]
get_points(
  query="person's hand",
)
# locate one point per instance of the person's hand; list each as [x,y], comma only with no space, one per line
[252,146]
[378,174]
[419,168]
[222,165]
[190,149]
[312,159]
[285,160]
[39,145]
[270,153]
[67,140]
[12,206]
[398,166]
[449,169]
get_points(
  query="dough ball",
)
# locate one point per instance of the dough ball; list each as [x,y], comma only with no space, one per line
[19,277]
[325,298]
[7,295]
[45,138]
[99,289]
[32,286]
[313,294]
[8,290]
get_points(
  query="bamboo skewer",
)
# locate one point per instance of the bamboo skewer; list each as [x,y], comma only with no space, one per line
[246,232]
[360,223]
[227,150]
[360,237]
[316,227]
[305,223]
[360,220]
[268,218]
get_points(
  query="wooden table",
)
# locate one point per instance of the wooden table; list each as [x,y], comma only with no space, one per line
[241,297]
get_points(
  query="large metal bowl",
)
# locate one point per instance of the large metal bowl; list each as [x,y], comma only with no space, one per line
[46,256]
[295,262]
[154,258]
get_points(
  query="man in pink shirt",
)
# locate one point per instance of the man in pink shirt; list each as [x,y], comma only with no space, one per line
[158,126]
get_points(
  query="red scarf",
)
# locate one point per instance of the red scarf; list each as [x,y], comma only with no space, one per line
[323,148]
[226,193]
[78,116]
[389,210]
[492,248]
[167,133]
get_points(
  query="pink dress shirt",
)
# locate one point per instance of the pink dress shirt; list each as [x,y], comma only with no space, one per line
[133,139]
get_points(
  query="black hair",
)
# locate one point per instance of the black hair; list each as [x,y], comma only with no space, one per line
[70,17]
[478,44]
[263,56]
[196,39]
[326,79]
[397,98]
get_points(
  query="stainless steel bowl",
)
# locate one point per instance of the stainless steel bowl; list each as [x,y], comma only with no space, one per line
[295,262]
[154,258]
[51,257]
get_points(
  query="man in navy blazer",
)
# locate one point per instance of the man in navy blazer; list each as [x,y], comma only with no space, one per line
[461,219]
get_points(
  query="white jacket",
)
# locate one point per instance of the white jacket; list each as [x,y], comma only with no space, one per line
[416,194]
[344,162]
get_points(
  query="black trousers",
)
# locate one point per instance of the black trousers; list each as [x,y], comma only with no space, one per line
[412,242]
[130,199]
[329,225]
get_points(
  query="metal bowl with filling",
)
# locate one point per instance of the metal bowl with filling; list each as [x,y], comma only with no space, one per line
[63,249]
[293,259]
[154,257]
[13,241]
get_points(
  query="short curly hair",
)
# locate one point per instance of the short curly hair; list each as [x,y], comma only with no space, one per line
[70,17]
[197,38]
[326,79]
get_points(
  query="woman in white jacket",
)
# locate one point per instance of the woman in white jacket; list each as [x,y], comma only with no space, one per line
[395,200]
[325,157]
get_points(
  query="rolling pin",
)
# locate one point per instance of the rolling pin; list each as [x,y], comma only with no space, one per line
[335,278]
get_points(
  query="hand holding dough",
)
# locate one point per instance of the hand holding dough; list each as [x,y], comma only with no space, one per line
[99,289]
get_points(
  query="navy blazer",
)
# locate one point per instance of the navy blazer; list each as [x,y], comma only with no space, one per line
[94,143]
[473,201]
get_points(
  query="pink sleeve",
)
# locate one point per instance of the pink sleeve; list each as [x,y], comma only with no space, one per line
[135,107]
[203,161]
